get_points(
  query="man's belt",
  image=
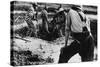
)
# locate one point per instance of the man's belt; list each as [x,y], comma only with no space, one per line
[80,35]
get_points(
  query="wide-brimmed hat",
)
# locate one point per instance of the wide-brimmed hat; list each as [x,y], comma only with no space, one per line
[76,7]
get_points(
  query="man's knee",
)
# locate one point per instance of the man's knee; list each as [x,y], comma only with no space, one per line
[68,52]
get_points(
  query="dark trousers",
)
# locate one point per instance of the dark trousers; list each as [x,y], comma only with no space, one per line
[85,49]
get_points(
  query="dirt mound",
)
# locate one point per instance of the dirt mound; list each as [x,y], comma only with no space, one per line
[40,51]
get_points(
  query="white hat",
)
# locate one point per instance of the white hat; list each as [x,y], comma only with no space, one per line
[61,9]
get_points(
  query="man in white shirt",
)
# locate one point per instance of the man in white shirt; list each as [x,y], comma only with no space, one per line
[77,26]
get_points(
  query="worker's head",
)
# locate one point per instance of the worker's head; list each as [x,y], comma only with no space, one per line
[35,5]
[76,7]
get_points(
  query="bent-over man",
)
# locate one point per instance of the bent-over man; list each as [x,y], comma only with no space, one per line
[77,26]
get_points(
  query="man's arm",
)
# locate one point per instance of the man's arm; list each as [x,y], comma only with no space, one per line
[88,23]
[67,29]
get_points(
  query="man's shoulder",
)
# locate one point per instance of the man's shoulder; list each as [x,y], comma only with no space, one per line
[72,11]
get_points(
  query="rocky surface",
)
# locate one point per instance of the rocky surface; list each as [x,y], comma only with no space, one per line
[38,51]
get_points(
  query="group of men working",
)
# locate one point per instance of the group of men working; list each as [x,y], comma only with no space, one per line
[77,26]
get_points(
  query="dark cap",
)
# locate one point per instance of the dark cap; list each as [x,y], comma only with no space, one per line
[76,7]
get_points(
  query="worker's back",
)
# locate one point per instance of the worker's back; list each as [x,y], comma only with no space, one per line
[76,21]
